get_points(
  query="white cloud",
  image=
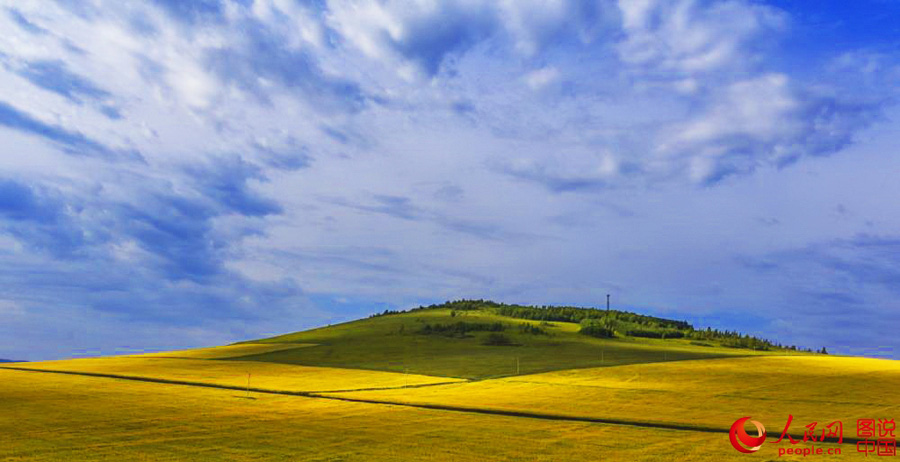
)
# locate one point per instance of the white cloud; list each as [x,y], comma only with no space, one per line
[757,122]
[542,77]
[297,145]
[760,108]
[534,24]
[294,20]
[563,169]
[10,309]
[423,34]
[418,35]
[691,36]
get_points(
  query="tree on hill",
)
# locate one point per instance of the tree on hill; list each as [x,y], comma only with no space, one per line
[596,322]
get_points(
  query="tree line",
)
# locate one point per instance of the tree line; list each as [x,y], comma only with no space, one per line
[596,323]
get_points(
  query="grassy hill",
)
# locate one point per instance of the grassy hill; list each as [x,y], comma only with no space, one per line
[478,339]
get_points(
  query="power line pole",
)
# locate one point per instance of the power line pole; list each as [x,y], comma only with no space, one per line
[608,323]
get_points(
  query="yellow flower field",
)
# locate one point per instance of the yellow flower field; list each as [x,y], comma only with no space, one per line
[227,351]
[707,393]
[51,417]
[262,375]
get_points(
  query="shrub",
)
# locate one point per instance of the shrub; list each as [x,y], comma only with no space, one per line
[647,333]
[532,329]
[643,333]
[596,330]
[496,339]
[461,328]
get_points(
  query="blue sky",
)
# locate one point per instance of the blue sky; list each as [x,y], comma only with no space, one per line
[179,174]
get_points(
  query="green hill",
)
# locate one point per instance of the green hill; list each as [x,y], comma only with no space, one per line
[478,339]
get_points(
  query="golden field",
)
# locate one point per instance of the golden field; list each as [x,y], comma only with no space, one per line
[51,416]
[66,417]
[706,393]
[225,352]
[268,376]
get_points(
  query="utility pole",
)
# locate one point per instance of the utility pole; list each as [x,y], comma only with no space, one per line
[248,385]
[608,324]
[517,365]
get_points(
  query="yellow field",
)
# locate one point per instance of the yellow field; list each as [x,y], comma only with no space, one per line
[269,376]
[53,416]
[227,351]
[63,417]
[707,393]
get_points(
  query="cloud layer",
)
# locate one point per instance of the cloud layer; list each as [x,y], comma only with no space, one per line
[205,171]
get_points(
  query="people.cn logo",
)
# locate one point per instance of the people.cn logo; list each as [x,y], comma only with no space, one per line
[744,442]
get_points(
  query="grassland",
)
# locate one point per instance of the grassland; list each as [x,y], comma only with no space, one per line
[394,343]
[335,394]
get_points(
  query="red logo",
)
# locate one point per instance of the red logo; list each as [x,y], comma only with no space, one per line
[744,442]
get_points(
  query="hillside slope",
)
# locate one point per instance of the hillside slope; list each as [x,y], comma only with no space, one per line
[475,340]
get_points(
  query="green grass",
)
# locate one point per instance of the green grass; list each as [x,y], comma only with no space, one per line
[395,343]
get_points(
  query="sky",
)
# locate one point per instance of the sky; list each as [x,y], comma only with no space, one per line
[179,174]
